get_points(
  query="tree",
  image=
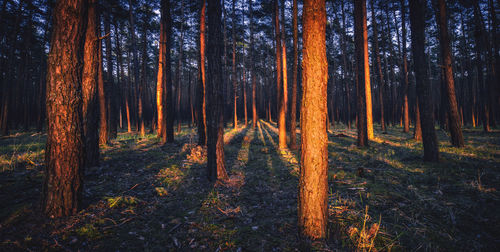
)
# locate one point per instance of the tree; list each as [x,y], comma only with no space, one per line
[215,96]
[201,90]
[90,107]
[293,113]
[279,79]
[160,83]
[64,155]
[313,181]
[424,92]
[168,137]
[406,117]
[103,108]
[362,72]
[235,84]
[252,69]
[381,81]
[455,127]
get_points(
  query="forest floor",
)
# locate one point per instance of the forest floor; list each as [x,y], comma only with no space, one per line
[145,196]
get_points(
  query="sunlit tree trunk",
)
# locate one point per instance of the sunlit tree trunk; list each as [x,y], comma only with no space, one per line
[64,155]
[201,99]
[362,72]
[293,108]
[160,80]
[424,92]
[90,107]
[313,180]
[284,69]
[279,80]
[215,96]
[457,138]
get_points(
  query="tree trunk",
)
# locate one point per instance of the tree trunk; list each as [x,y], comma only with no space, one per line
[279,81]
[201,103]
[215,96]
[344,66]
[179,71]
[252,69]
[110,85]
[90,75]
[406,117]
[313,180]
[457,138]
[103,109]
[285,72]
[64,155]
[168,137]
[424,92]
[293,114]
[362,71]
[162,73]
[235,84]
[381,82]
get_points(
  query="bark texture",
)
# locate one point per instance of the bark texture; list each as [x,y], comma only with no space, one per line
[457,138]
[64,155]
[362,73]
[89,88]
[215,95]
[424,92]
[313,182]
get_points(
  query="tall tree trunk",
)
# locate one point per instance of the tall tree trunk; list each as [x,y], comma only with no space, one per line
[90,110]
[313,180]
[215,96]
[362,71]
[293,114]
[162,73]
[144,78]
[201,90]
[279,79]
[235,84]
[424,92]
[406,116]
[103,108]
[344,66]
[110,84]
[135,67]
[480,49]
[179,70]
[457,138]
[381,81]
[284,69]
[168,137]
[252,69]
[64,155]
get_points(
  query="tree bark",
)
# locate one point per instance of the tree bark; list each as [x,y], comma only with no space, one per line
[215,95]
[381,81]
[279,80]
[424,92]
[162,73]
[168,137]
[201,99]
[64,155]
[406,117]
[362,72]
[293,113]
[90,76]
[235,83]
[457,138]
[313,182]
